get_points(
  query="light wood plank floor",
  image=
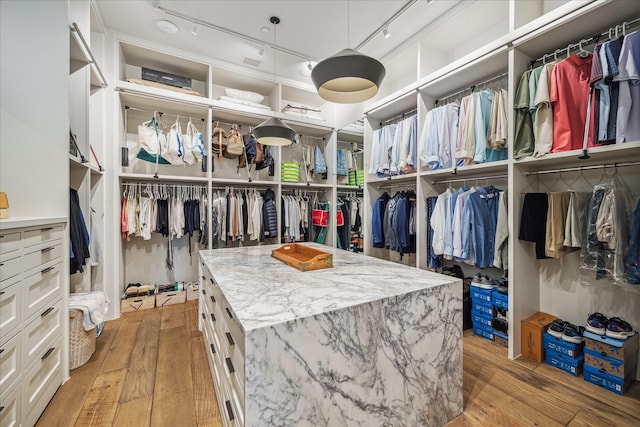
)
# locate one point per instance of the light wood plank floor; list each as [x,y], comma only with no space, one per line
[150,369]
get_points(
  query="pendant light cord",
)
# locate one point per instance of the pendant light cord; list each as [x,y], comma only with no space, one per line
[348,23]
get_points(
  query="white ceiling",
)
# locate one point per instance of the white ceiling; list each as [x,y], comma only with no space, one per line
[316,29]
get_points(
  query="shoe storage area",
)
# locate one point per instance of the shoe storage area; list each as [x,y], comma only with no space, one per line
[501,151]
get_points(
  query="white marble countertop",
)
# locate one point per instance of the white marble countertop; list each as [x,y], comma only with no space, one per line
[263,291]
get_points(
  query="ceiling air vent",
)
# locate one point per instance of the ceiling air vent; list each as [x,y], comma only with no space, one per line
[251,61]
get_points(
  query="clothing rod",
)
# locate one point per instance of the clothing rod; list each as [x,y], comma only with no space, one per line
[588,40]
[127,107]
[397,186]
[473,87]
[293,191]
[220,122]
[471,178]
[145,183]
[87,49]
[301,108]
[582,168]
[319,138]
[400,116]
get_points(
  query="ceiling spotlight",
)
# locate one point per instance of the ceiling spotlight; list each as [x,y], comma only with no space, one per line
[261,50]
[265,29]
[194,29]
[167,26]
[386,33]
[309,66]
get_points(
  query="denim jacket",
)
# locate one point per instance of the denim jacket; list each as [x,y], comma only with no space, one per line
[319,164]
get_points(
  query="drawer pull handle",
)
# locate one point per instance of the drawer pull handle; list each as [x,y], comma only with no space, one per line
[603,353]
[203,316]
[1,292]
[212,282]
[229,365]
[213,349]
[229,312]
[1,408]
[230,338]
[229,410]
[47,249]
[1,264]
[204,292]
[204,278]
[46,229]
[46,270]
[1,350]
[213,318]
[48,353]
[2,236]
[47,311]
[213,300]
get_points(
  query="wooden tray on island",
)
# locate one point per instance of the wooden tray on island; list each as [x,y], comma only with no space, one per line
[303,257]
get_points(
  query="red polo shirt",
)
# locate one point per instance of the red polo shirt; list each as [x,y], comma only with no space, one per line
[569,96]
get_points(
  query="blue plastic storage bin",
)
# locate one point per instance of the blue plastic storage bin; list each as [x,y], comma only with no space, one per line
[570,365]
[559,345]
[481,294]
[500,300]
[481,318]
[480,306]
[612,383]
[485,333]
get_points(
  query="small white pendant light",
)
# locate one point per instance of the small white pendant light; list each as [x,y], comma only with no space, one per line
[274,131]
[348,77]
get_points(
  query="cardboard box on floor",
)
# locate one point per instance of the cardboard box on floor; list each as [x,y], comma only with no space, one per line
[532,329]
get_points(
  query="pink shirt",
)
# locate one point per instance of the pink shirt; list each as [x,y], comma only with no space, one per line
[569,96]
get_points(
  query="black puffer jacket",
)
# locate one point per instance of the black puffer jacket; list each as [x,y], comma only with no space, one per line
[270,214]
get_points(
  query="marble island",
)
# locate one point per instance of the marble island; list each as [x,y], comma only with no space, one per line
[367,342]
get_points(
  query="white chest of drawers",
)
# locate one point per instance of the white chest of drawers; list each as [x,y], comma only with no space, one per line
[31,318]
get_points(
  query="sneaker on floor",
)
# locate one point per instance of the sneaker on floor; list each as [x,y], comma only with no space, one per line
[619,329]
[597,323]
[573,334]
[556,328]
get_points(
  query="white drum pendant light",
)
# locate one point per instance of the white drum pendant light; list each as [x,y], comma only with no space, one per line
[274,131]
[348,77]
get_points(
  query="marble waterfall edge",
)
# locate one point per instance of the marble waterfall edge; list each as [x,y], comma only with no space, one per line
[396,361]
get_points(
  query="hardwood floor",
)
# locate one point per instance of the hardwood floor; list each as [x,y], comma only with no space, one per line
[150,369]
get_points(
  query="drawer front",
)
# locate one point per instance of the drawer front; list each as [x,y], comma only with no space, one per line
[10,267]
[9,241]
[41,382]
[10,309]
[41,331]
[11,407]
[228,412]
[41,255]
[41,288]
[232,323]
[231,350]
[42,235]
[10,361]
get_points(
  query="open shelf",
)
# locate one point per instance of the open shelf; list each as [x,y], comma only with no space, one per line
[469,171]
[162,179]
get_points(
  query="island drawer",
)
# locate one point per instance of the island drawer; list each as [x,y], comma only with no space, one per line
[230,349]
[232,322]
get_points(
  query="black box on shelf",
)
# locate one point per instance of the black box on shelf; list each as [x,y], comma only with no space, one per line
[166,78]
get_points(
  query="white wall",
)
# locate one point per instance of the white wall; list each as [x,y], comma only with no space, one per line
[34,124]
